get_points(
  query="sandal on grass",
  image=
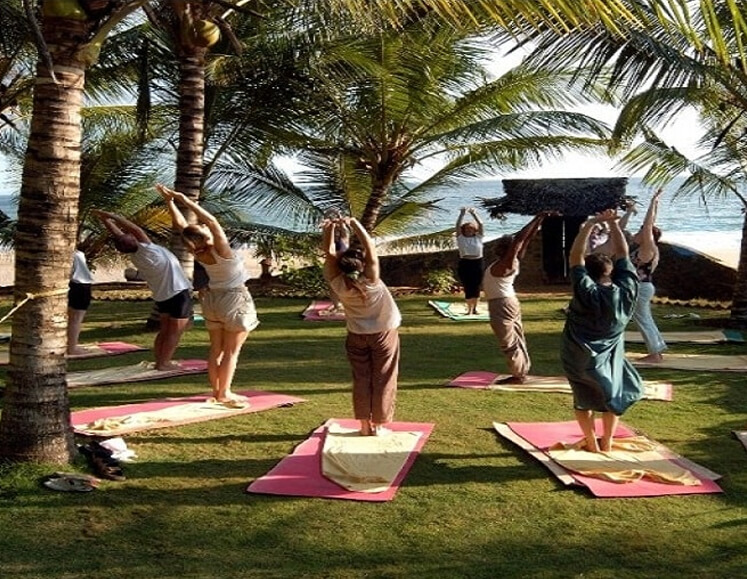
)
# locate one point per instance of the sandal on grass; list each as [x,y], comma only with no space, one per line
[70,482]
[101,462]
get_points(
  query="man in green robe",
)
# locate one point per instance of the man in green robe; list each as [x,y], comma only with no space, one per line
[593,349]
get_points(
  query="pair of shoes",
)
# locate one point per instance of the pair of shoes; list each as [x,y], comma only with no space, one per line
[102,462]
[70,482]
[511,380]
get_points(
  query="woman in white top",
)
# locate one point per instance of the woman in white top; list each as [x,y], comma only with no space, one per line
[503,305]
[372,318]
[469,269]
[227,305]
[78,300]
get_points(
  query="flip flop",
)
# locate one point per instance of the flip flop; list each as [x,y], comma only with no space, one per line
[68,482]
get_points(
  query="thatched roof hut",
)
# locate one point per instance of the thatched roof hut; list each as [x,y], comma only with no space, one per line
[569,197]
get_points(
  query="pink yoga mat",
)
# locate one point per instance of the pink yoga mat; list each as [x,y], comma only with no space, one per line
[542,435]
[300,473]
[480,380]
[258,401]
[110,349]
[315,312]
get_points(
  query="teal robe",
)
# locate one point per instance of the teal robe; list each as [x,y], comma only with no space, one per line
[593,347]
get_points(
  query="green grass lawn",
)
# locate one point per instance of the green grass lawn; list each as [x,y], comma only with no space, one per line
[473,505]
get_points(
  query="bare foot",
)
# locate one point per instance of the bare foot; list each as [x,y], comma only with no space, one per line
[366,428]
[168,366]
[652,358]
[605,445]
[81,351]
[379,430]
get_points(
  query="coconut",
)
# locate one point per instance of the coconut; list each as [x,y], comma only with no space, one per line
[205,33]
[70,9]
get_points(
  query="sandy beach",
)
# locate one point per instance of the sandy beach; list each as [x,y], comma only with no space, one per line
[111,272]
[723,248]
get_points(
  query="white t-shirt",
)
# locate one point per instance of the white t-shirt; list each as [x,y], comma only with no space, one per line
[370,312]
[226,273]
[80,272]
[469,247]
[161,271]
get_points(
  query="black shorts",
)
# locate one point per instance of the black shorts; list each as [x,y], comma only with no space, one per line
[79,296]
[178,306]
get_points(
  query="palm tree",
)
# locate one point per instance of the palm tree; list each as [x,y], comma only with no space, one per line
[660,71]
[381,104]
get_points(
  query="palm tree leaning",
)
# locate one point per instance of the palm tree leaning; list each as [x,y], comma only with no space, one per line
[381,104]
[660,70]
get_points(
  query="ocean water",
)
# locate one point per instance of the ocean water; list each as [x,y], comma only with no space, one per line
[685,220]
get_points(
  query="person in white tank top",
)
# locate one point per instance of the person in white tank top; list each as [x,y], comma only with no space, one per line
[372,319]
[503,305]
[227,305]
[469,236]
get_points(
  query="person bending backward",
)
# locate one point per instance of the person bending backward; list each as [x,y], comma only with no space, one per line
[469,268]
[164,275]
[503,305]
[645,256]
[78,301]
[372,319]
[593,349]
[227,305]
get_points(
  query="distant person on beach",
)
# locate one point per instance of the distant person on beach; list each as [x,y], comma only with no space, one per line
[165,277]
[227,305]
[372,318]
[644,254]
[78,301]
[593,349]
[504,306]
[469,239]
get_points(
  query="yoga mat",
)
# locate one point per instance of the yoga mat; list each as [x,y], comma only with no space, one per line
[539,436]
[699,337]
[299,474]
[168,412]
[697,362]
[652,389]
[94,351]
[741,436]
[457,312]
[319,311]
[144,371]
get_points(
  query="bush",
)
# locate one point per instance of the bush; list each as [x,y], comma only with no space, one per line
[305,281]
[440,281]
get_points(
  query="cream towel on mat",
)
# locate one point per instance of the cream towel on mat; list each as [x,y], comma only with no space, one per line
[367,464]
[630,459]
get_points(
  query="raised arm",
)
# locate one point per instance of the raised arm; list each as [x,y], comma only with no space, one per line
[371,270]
[578,249]
[178,221]
[648,250]
[220,239]
[480,228]
[630,210]
[118,225]
[331,269]
[617,237]
[460,219]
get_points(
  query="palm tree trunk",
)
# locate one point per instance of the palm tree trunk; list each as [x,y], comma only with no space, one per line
[738,316]
[376,200]
[35,422]
[189,159]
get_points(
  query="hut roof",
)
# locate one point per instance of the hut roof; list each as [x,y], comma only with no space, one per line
[570,197]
